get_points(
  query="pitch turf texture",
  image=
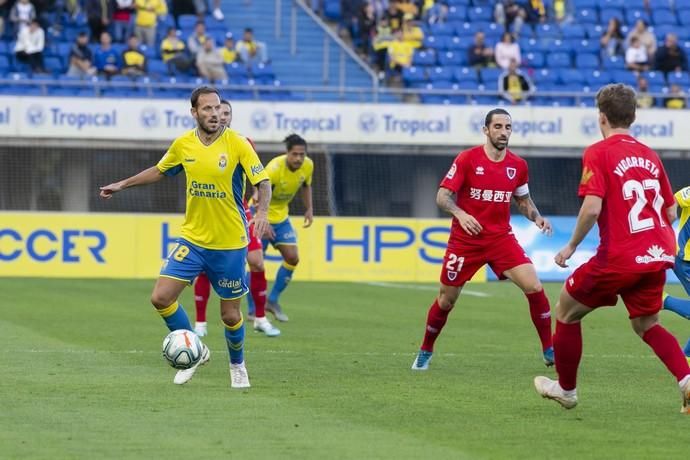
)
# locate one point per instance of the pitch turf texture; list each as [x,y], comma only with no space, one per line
[82,377]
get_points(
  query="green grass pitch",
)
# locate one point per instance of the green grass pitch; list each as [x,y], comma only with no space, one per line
[82,377]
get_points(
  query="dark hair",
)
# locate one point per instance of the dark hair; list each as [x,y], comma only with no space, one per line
[249,29]
[226,102]
[618,102]
[490,115]
[202,90]
[293,140]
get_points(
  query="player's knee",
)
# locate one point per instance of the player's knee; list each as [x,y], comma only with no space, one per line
[446,303]
[161,300]
[533,287]
[231,316]
[292,260]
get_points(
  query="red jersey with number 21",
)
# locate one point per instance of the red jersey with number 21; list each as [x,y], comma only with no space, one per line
[635,233]
[483,188]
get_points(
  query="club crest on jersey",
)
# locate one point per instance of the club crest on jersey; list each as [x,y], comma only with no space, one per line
[479,171]
[511,172]
[222,161]
[452,275]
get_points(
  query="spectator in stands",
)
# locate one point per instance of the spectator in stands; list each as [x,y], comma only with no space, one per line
[437,14]
[195,42]
[644,99]
[612,39]
[250,50]
[99,14]
[382,40]
[29,46]
[636,56]
[676,98]
[394,15]
[479,55]
[21,15]
[646,38]
[535,12]
[514,85]
[106,59]
[133,60]
[228,51]
[408,7]
[412,33]
[147,19]
[400,53]
[506,51]
[562,11]
[367,27]
[209,62]
[174,53]
[81,57]
[122,19]
[670,57]
[510,15]
[349,12]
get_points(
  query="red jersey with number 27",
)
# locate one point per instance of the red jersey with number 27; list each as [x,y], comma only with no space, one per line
[635,233]
[483,188]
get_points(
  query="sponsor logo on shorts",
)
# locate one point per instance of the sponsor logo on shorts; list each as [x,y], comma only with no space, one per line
[654,254]
[452,275]
[232,284]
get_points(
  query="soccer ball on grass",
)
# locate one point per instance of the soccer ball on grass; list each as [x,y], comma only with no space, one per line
[182,349]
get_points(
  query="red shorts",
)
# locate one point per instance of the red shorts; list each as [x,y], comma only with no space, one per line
[254,242]
[594,286]
[461,262]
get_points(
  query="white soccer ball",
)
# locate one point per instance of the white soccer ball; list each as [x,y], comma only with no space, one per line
[182,349]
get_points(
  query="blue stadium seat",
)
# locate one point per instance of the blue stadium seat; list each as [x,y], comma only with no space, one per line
[157,67]
[631,16]
[598,78]
[587,46]
[681,5]
[187,22]
[450,58]
[459,2]
[4,48]
[571,76]
[440,73]
[493,32]
[480,14]
[424,58]
[684,17]
[461,74]
[573,31]
[527,44]
[547,31]
[558,60]
[606,15]
[564,46]
[457,13]
[414,74]
[437,42]
[54,64]
[63,49]
[636,4]
[678,78]
[587,61]
[661,17]
[587,4]
[237,69]
[331,9]
[533,59]
[603,4]
[468,29]
[457,44]
[442,29]
[613,63]
[655,78]
[624,76]
[587,16]
[545,76]
[664,29]
[5,64]
[261,70]
[594,31]
[489,76]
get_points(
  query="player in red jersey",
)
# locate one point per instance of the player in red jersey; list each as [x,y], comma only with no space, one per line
[626,191]
[255,259]
[477,191]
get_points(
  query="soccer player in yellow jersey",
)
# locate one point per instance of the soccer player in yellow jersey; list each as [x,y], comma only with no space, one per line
[214,238]
[289,173]
[682,267]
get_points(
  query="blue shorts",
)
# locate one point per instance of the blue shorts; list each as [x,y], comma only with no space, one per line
[682,271]
[285,234]
[224,268]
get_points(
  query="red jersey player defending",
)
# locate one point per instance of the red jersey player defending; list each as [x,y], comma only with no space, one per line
[255,259]
[477,191]
[625,190]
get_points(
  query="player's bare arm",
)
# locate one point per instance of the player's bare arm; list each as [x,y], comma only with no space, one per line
[672,212]
[586,218]
[528,209]
[260,218]
[309,211]
[445,199]
[147,176]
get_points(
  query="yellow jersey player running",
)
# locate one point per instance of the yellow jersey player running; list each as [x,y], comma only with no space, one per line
[682,267]
[215,160]
[289,173]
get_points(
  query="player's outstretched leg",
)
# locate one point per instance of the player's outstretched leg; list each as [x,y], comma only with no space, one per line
[282,280]
[234,338]
[677,305]
[257,289]
[540,312]
[436,319]
[568,351]
[185,375]
[551,389]
[202,291]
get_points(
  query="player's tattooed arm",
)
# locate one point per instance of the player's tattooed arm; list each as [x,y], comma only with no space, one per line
[445,199]
[528,209]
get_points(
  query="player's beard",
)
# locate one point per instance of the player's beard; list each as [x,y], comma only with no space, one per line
[203,126]
[499,144]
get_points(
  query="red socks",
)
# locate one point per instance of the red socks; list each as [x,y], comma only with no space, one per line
[668,350]
[540,311]
[435,321]
[567,344]
[257,289]
[202,291]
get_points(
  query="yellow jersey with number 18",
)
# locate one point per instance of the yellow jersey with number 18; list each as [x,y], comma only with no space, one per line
[285,184]
[214,216]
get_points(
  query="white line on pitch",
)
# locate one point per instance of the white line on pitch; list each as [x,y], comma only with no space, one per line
[425,288]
